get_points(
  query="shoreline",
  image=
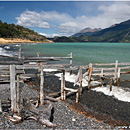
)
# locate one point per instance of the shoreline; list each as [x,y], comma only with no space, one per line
[20,41]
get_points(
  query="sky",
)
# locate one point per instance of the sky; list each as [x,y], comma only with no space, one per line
[64,18]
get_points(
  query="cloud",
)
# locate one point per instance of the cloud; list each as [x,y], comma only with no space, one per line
[42,19]
[65,24]
[112,14]
[32,19]
[49,35]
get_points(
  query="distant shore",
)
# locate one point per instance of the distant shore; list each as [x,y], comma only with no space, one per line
[18,40]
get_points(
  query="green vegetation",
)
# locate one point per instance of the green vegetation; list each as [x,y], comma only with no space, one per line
[17,31]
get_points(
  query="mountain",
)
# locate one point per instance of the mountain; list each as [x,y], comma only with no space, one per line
[86,31]
[115,33]
[12,31]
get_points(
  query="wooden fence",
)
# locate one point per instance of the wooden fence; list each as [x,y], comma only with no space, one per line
[110,71]
[14,74]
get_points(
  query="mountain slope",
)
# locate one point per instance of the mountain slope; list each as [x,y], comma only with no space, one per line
[116,33]
[87,31]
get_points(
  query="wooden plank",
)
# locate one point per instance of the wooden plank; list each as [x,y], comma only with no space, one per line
[0,106]
[4,67]
[47,58]
[101,77]
[38,54]
[60,67]
[13,88]
[17,94]
[53,99]
[125,63]
[70,63]
[11,62]
[105,74]
[77,97]
[80,80]
[116,69]
[62,85]
[19,54]
[89,74]
[105,69]
[110,64]
[127,67]
[70,89]
[41,86]
[54,94]
[125,72]
[103,64]
[118,77]
[110,85]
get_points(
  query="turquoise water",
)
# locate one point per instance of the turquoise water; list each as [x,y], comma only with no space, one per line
[83,53]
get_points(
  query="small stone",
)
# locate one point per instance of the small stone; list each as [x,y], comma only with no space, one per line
[44,126]
[73,119]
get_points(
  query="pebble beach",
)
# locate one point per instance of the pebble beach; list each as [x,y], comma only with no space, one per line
[67,114]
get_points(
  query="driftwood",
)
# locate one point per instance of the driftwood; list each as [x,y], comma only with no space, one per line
[29,111]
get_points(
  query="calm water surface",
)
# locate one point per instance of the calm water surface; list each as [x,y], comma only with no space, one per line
[83,53]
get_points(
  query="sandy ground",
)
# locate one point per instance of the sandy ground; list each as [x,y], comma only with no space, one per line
[16,40]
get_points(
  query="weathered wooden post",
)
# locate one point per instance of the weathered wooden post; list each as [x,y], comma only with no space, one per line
[110,84]
[118,77]
[89,74]
[101,76]
[38,54]
[71,63]
[17,94]
[0,106]
[77,97]
[41,85]
[19,54]
[63,86]
[116,69]
[80,79]
[13,88]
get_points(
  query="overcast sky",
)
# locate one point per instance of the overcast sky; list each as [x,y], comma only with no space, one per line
[64,18]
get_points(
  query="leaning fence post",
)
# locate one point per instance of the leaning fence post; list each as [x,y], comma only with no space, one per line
[116,69]
[63,86]
[101,77]
[118,77]
[89,74]
[110,84]
[19,54]
[70,63]
[13,88]
[0,106]
[17,94]
[77,97]
[41,85]
[38,54]
[80,79]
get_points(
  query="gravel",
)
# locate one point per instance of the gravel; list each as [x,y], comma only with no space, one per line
[63,116]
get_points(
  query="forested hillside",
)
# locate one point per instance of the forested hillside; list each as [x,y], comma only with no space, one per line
[17,31]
